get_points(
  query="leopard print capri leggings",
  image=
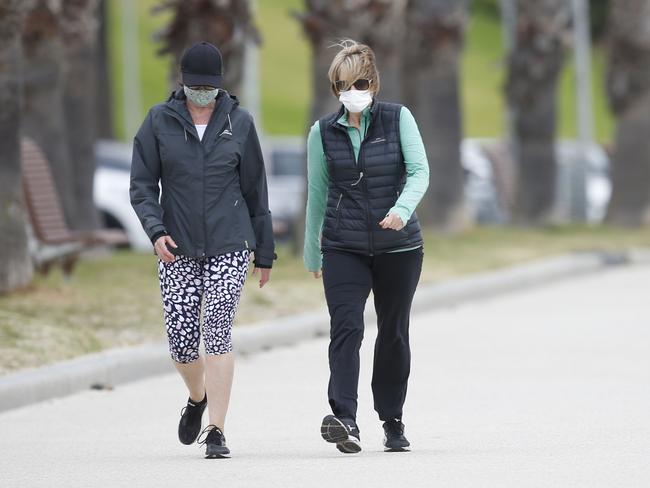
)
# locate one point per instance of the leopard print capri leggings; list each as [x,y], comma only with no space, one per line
[184,283]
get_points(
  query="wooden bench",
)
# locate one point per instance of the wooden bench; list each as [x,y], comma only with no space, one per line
[50,239]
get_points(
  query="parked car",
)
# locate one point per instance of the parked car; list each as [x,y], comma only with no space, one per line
[286,162]
[111,191]
[490,180]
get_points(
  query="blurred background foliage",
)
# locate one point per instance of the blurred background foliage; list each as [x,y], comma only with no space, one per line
[286,77]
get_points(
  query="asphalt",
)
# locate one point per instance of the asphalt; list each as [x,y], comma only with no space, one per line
[541,387]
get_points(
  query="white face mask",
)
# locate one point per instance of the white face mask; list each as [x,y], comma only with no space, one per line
[356,100]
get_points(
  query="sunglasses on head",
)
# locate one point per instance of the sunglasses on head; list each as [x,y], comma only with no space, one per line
[360,84]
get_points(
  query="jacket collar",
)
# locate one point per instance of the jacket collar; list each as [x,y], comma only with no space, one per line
[373,110]
[226,103]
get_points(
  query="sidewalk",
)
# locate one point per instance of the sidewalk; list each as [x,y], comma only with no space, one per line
[545,387]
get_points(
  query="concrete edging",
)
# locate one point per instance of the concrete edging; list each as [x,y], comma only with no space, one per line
[117,366]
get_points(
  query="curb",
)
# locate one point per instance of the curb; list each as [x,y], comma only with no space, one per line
[117,366]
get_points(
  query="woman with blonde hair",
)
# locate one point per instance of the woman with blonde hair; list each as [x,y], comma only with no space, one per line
[367,171]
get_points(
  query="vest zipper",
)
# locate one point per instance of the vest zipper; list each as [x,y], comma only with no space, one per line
[364,185]
[338,214]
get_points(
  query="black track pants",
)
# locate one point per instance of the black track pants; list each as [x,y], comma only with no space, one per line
[348,279]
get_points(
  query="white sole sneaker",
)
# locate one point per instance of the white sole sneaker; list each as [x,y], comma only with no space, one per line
[335,431]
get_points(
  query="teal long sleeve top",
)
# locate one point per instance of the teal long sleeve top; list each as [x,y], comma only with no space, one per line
[417,178]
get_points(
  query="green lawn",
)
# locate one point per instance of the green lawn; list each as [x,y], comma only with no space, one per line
[285,74]
[114,300]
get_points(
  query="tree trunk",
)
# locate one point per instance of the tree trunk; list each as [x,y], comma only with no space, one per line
[431,57]
[43,77]
[628,86]
[15,264]
[103,105]
[227,24]
[79,22]
[534,67]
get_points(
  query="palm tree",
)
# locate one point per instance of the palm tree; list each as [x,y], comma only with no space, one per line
[44,84]
[628,87]
[15,265]
[430,83]
[79,20]
[534,65]
[226,23]
[104,114]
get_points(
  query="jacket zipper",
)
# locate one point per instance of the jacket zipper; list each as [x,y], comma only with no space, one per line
[183,123]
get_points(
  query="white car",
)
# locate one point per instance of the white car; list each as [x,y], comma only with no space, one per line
[111,192]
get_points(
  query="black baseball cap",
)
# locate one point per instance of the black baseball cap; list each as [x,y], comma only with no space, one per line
[201,65]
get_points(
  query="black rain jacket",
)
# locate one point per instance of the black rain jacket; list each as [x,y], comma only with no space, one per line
[214,196]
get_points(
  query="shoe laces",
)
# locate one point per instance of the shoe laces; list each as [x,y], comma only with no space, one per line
[208,432]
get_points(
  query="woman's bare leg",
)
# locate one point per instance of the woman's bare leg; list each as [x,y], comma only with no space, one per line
[194,377]
[219,371]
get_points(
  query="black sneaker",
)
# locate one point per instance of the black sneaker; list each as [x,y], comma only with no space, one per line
[215,443]
[344,433]
[394,440]
[190,424]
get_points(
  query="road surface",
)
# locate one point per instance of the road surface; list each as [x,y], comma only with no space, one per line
[548,387]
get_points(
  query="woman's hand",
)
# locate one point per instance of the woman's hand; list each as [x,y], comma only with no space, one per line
[162,250]
[392,221]
[266,275]
[317,274]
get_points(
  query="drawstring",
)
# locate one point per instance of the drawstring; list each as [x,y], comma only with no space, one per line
[185,132]
[229,123]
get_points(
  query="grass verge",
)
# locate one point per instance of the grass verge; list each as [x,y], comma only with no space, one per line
[114,300]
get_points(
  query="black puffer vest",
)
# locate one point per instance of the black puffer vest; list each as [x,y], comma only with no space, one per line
[360,194]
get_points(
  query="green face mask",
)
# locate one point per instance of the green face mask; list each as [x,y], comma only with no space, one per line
[202,98]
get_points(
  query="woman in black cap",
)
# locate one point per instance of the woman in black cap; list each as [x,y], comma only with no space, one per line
[212,213]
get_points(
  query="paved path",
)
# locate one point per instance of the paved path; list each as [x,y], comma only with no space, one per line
[549,387]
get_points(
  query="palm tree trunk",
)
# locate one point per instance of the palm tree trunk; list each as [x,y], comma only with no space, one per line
[79,22]
[15,265]
[628,86]
[44,114]
[534,66]
[104,111]
[228,24]
[431,54]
